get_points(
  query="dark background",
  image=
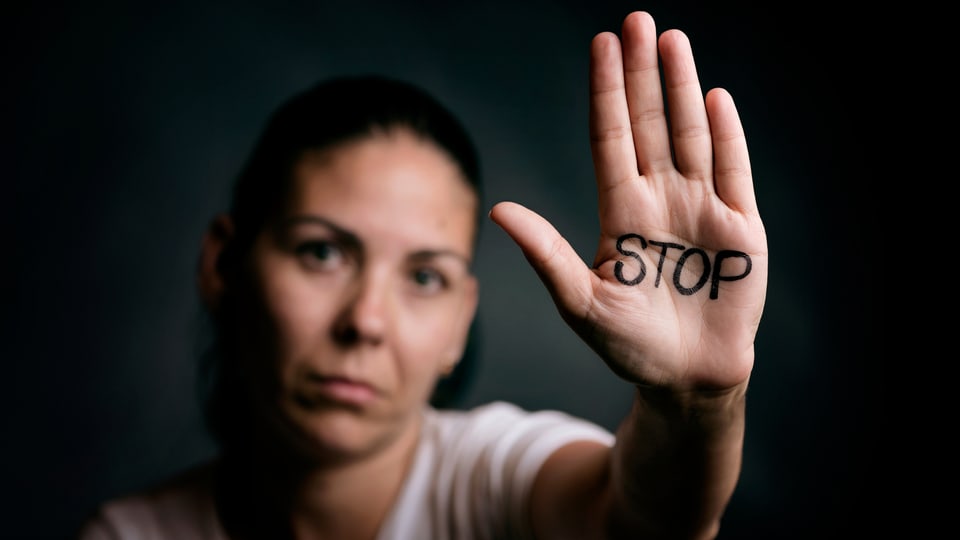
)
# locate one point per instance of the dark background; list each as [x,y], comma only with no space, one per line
[125,125]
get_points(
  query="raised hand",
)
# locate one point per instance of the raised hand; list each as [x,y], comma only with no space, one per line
[677,287]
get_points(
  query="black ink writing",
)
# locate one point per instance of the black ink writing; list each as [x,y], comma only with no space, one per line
[618,268]
[711,272]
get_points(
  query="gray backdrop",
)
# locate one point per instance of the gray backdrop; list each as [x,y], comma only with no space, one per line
[126,125]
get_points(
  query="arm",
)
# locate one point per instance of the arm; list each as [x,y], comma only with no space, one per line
[672,302]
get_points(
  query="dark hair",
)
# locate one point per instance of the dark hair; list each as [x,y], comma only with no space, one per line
[329,113]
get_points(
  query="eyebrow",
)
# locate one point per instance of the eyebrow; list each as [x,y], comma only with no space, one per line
[355,242]
[345,236]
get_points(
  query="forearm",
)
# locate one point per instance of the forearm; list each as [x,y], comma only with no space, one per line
[676,462]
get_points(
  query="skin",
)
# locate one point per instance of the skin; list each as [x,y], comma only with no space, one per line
[366,282]
[366,292]
[678,452]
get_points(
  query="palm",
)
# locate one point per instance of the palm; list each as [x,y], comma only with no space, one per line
[669,197]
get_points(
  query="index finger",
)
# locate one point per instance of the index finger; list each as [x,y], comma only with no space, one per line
[611,140]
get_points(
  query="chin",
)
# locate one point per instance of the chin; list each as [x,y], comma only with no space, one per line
[337,434]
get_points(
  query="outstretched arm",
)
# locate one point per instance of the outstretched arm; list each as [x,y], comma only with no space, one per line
[672,301]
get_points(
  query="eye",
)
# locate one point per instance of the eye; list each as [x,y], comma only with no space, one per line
[320,254]
[428,280]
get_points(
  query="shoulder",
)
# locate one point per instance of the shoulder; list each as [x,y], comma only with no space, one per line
[475,468]
[180,507]
[503,438]
[503,423]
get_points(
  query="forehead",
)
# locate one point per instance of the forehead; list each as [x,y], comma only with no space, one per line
[392,184]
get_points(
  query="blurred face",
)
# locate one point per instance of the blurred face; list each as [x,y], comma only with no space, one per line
[366,290]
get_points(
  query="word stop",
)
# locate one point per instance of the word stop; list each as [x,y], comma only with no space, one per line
[711,272]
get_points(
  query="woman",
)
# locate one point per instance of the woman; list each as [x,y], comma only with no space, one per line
[341,292]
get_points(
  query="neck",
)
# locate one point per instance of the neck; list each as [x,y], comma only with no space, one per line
[264,493]
[352,500]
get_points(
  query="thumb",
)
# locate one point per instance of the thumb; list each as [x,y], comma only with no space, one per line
[561,270]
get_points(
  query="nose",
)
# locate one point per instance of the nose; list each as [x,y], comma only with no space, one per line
[363,318]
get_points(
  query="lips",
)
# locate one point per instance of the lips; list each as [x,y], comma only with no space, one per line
[319,389]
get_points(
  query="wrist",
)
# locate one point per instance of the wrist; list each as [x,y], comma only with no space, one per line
[692,402]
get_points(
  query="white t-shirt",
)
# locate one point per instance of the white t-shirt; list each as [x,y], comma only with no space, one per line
[470,479]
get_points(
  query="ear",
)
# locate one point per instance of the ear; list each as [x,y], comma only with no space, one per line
[210,278]
[461,330]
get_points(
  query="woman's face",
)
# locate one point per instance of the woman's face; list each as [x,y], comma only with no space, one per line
[366,289]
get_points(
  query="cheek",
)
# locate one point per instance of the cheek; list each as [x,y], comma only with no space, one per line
[425,333]
[297,314]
